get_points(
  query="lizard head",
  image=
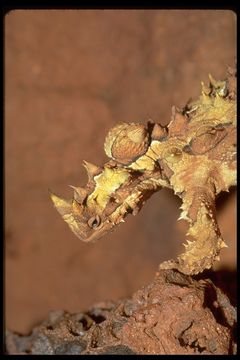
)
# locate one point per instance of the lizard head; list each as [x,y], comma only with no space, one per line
[86,225]
[112,191]
[105,201]
[94,210]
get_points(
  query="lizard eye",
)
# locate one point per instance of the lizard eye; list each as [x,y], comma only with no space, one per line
[94,222]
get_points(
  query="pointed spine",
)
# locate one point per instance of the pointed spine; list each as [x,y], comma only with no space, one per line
[80,194]
[92,170]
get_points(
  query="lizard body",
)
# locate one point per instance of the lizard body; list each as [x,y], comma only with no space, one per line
[195,156]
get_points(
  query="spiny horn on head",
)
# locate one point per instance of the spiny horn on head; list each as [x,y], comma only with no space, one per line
[92,169]
[63,206]
[76,208]
[80,194]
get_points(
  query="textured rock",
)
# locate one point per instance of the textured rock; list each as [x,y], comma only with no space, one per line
[175,314]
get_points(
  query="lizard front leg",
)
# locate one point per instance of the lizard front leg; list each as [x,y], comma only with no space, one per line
[204,240]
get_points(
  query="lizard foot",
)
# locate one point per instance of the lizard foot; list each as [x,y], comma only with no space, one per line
[193,268]
[189,263]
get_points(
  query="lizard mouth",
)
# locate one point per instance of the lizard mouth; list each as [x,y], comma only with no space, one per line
[107,226]
[109,223]
[98,233]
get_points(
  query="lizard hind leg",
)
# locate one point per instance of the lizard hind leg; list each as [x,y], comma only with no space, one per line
[204,240]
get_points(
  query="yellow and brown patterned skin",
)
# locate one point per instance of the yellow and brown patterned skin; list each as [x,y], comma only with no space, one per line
[195,156]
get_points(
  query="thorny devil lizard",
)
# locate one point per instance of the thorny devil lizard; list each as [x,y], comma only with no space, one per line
[195,155]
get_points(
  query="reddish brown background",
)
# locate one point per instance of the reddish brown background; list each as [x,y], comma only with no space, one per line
[69,77]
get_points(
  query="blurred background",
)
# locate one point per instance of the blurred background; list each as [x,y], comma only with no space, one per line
[70,75]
